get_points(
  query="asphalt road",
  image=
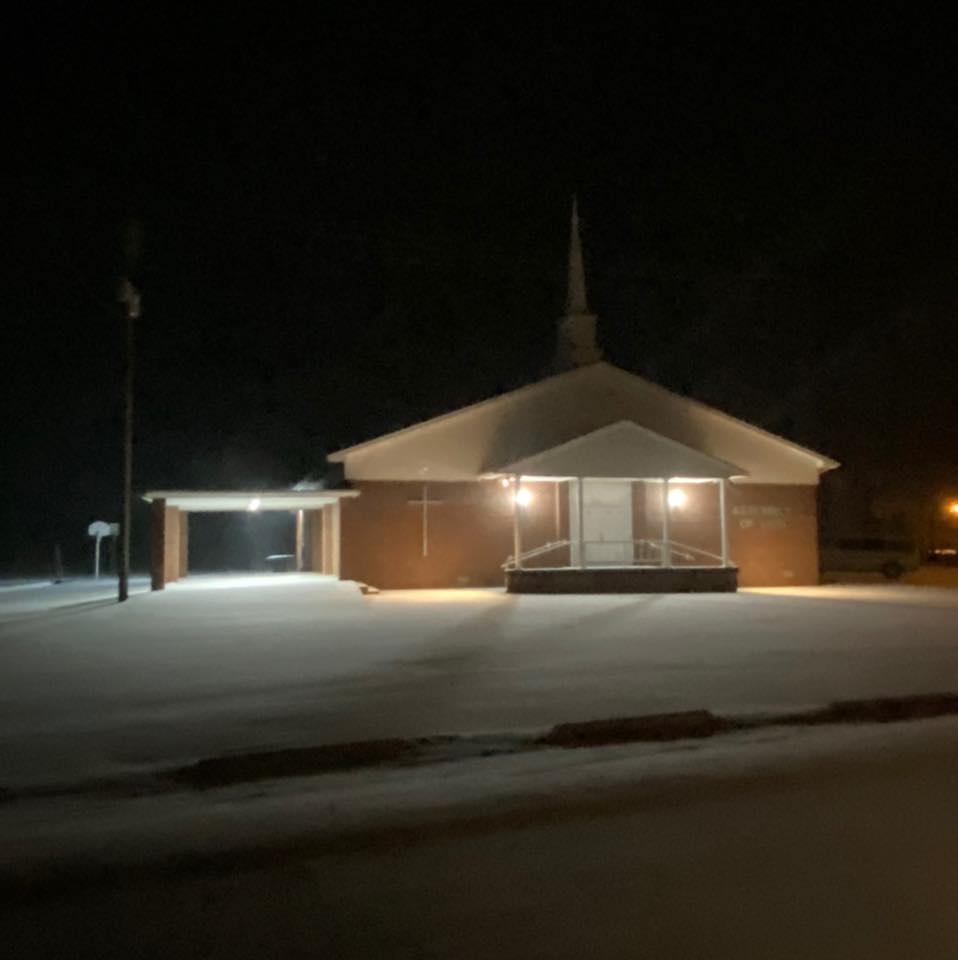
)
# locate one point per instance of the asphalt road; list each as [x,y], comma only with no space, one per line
[837,845]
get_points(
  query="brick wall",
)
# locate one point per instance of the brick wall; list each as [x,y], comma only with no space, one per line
[773,534]
[468,533]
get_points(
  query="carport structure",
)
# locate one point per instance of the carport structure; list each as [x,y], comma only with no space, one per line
[317,525]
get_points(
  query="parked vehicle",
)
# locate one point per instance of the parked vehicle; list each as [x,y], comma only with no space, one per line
[892,558]
[944,556]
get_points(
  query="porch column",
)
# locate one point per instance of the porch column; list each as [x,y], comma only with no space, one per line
[572,533]
[555,491]
[581,531]
[666,552]
[516,538]
[723,521]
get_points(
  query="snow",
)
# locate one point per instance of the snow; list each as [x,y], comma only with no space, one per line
[832,843]
[7,585]
[36,597]
[94,829]
[211,665]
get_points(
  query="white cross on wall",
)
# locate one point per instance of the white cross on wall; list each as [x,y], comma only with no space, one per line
[424,502]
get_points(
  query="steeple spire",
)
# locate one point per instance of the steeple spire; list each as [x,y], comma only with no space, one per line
[577,346]
[576,301]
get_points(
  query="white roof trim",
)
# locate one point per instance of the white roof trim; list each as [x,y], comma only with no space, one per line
[825,463]
[229,501]
[821,461]
[337,456]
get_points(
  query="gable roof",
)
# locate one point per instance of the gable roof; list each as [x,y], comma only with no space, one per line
[481,438]
[623,449]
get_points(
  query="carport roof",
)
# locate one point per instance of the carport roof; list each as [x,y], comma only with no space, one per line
[219,501]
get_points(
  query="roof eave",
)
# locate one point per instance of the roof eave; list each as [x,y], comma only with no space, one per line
[338,456]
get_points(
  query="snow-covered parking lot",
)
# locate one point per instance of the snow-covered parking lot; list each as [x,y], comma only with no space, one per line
[91,688]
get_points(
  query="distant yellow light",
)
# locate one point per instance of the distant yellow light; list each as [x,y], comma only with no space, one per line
[952,508]
[677,498]
[524,497]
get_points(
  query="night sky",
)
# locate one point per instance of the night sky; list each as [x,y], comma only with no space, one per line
[356,215]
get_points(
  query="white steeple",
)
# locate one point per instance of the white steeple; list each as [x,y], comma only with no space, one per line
[577,345]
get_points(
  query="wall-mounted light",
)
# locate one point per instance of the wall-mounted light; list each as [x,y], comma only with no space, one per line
[505,481]
[523,497]
[677,498]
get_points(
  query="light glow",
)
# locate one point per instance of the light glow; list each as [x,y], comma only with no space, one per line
[523,497]
[952,508]
[677,498]
[254,505]
[505,481]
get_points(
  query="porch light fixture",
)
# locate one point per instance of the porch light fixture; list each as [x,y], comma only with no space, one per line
[254,505]
[677,498]
[523,497]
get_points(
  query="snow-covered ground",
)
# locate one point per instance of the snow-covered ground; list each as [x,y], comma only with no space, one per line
[836,843]
[211,665]
[26,598]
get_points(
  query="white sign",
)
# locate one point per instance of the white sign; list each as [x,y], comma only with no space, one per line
[98,529]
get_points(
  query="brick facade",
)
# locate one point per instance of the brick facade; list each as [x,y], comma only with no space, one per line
[773,532]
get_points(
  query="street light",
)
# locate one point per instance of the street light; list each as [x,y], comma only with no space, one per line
[128,296]
[129,299]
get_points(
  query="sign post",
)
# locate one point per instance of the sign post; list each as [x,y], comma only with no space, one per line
[98,530]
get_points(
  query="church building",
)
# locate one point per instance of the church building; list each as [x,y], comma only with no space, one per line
[590,480]
[593,469]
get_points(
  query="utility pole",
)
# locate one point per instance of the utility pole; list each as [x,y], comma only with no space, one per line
[129,298]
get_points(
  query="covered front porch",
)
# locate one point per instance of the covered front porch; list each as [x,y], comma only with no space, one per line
[632,512]
[614,535]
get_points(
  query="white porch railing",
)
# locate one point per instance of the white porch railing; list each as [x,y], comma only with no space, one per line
[646,553]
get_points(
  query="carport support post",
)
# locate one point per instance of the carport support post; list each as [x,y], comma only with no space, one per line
[723,521]
[158,544]
[300,541]
[337,538]
[184,566]
[666,533]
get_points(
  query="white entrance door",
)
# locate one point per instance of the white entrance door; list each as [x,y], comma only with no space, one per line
[607,522]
